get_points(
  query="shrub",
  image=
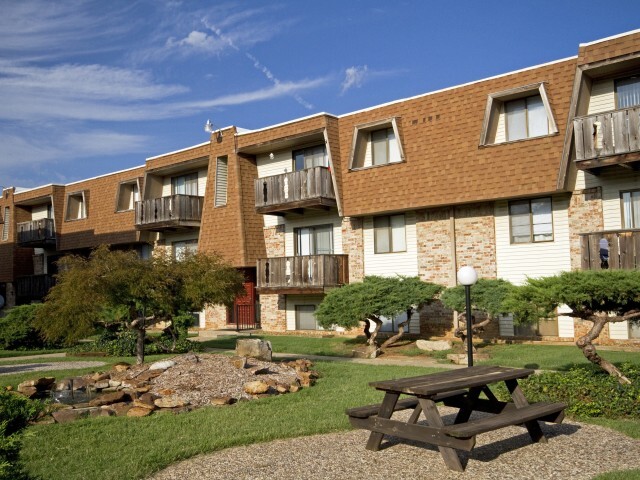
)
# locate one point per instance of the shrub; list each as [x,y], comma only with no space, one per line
[587,390]
[16,412]
[17,331]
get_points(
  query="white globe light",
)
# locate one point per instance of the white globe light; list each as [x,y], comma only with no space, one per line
[467,276]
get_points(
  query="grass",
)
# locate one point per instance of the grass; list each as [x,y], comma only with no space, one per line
[131,448]
[23,353]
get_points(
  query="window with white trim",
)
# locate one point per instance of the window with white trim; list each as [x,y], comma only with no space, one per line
[531,220]
[76,206]
[128,195]
[517,114]
[316,240]
[627,92]
[310,157]
[384,147]
[185,185]
[375,144]
[630,209]
[389,234]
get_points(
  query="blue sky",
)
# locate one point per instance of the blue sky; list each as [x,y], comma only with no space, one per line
[91,87]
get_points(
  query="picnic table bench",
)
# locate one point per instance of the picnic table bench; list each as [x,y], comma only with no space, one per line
[457,388]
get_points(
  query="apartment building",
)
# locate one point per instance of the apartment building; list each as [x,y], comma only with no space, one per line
[525,174]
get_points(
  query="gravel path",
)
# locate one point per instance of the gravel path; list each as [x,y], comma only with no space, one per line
[38,367]
[504,454]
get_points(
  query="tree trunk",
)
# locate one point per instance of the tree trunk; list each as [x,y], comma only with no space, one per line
[461,331]
[372,338]
[140,345]
[367,331]
[585,344]
[401,326]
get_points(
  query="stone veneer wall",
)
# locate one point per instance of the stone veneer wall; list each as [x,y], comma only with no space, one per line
[215,317]
[585,215]
[353,245]
[273,314]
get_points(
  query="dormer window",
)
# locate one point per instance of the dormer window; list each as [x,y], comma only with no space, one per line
[128,194]
[517,114]
[376,144]
[76,206]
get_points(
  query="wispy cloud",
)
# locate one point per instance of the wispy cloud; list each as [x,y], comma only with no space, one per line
[354,77]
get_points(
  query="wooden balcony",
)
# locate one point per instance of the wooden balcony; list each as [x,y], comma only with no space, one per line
[177,212]
[37,233]
[33,287]
[609,138]
[611,249]
[295,191]
[302,275]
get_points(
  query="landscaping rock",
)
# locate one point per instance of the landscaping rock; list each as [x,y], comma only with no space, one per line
[115,383]
[28,392]
[139,412]
[96,377]
[102,384]
[223,401]
[256,387]
[121,367]
[170,402]
[110,398]
[239,362]
[73,414]
[433,345]
[119,409]
[41,383]
[461,358]
[254,348]
[149,374]
[162,365]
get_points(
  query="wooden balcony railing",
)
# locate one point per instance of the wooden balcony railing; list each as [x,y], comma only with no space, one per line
[611,249]
[607,134]
[309,188]
[34,287]
[303,274]
[176,211]
[37,233]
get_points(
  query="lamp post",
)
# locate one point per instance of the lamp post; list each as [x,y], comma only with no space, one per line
[467,276]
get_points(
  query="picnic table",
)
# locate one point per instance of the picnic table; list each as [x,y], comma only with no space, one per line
[462,389]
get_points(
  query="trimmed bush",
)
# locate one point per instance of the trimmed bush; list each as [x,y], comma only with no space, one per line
[587,390]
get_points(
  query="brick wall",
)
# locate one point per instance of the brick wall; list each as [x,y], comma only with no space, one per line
[353,245]
[585,215]
[273,313]
[215,317]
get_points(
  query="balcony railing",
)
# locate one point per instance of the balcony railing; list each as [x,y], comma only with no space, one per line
[309,188]
[303,274]
[607,134]
[612,249]
[176,211]
[37,233]
[34,287]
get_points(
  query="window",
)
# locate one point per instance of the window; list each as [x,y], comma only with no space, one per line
[389,234]
[185,185]
[184,248]
[310,157]
[531,220]
[317,240]
[306,317]
[5,224]
[630,209]
[221,181]
[76,206]
[384,148]
[517,114]
[526,117]
[634,330]
[628,92]
[377,143]
[128,195]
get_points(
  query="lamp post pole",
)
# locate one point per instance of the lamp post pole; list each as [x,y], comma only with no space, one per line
[467,276]
[467,294]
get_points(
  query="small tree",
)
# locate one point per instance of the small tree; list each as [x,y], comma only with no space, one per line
[600,297]
[487,296]
[118,287]
[373,298]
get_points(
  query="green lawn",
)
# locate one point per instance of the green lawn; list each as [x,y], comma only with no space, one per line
[23,353]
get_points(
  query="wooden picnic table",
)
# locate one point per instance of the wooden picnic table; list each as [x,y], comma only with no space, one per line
[455,388]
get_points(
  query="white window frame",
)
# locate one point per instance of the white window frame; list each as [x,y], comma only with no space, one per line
[189,177]
[532,223]
[82,210]
[362,138]
[496,103]
[628,220]
[309,151]
[133,195]
[390,234]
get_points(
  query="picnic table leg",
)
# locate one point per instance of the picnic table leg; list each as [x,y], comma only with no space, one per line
[415,414]
[469,402]
[533,427]
[386,410]
[449,455]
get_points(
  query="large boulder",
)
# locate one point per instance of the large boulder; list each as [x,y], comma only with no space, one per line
[254,348]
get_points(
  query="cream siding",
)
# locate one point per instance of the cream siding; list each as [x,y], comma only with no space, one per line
[309,220]
[517,261]
[39,212]
[501,130]
[565,323]
[603,97]
[282,163]
[619,330]
[389,264]
[506,325]
[612,183]
[202,183]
